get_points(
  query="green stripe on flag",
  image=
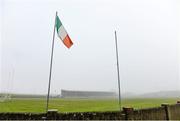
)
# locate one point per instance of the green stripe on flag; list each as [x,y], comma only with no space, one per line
[58,23]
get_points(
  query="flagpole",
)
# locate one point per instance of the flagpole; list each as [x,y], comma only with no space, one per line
[52,51]
[117,57]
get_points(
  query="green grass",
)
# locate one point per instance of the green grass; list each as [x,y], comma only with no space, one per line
[78,105]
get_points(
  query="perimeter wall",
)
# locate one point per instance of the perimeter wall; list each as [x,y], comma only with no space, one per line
[164,112]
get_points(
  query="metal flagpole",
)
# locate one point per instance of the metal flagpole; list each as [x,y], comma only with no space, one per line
[117,57]
[52,50]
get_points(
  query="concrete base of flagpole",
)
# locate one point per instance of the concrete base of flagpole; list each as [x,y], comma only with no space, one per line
[52,114]
[178,102]
[128,111]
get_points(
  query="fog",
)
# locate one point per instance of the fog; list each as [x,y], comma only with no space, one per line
[148,41]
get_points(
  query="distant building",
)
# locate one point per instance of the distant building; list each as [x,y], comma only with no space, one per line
[87,94]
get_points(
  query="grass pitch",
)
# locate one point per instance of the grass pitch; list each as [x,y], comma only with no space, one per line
[78,105]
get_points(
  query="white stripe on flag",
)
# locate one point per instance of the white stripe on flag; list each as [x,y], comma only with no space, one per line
[62,32]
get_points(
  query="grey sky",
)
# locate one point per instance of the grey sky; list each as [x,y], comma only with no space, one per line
[148,39]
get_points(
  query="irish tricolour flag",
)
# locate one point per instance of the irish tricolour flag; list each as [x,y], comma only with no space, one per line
[63,35]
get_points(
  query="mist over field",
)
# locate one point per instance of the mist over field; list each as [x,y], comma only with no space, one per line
[148,42]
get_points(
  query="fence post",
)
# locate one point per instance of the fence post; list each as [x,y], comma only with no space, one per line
[167,111]
[128,111]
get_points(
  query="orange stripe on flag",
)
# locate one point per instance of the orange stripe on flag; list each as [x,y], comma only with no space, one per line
[67,41]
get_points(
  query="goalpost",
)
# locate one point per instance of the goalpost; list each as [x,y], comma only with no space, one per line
[6,94]
[5,97]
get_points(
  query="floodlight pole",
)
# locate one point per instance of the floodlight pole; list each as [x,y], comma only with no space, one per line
[118,73]
[52,51]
